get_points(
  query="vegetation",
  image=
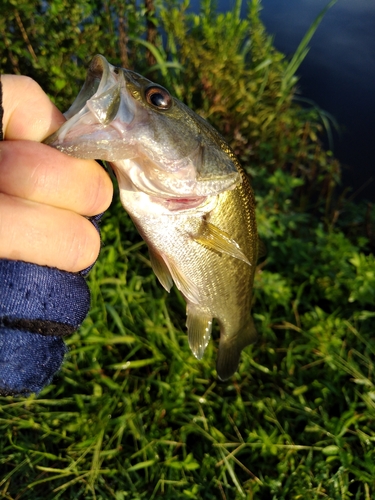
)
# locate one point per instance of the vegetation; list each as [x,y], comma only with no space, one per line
[133,414]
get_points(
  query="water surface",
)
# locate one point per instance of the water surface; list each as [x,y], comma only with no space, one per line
[338,73]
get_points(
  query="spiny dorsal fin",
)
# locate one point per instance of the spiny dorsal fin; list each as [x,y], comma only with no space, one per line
[199,325]
[230,348]
[161,270]
[214,238]
[262,249]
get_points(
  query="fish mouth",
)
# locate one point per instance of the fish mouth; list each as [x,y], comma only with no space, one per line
[173,156]
[100,117]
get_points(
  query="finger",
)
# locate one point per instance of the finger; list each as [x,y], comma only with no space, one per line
[36,172]
[28,112]
[28,232]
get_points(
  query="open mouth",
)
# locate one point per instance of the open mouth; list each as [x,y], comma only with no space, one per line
[123,118]
[102,87]
[99,118]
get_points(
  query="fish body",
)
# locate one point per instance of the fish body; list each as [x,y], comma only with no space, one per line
[186,193]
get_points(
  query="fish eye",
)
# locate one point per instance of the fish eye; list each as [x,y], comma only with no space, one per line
[158,97]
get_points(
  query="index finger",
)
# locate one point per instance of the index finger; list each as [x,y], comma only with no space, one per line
[29,114]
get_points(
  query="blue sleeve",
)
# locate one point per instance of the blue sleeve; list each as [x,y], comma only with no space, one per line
[38,307]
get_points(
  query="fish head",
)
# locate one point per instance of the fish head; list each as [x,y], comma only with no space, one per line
[154,143]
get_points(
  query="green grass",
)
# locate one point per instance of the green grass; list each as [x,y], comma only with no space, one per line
[132,414]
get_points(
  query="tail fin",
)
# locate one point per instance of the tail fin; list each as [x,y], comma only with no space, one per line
[230,349]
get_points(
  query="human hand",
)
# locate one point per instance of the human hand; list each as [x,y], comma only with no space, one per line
[44,194]
[44,198]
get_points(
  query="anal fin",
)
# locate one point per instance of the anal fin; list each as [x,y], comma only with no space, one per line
[214,238]
[199,325]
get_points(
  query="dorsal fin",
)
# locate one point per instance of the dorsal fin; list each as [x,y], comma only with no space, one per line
[262,249]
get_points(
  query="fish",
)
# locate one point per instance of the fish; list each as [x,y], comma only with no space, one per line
[186,193]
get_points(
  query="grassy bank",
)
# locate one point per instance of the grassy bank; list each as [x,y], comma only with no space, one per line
[133,415]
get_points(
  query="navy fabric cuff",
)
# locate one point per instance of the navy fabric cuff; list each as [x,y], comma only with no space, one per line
[41,299]
[28,361]
[38,305]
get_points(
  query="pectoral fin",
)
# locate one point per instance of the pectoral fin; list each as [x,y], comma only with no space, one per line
[161,270]
[214,238]
[199,325]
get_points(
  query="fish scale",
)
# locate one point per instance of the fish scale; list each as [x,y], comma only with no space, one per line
[186,193]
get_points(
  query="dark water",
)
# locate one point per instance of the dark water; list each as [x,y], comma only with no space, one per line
[338,73]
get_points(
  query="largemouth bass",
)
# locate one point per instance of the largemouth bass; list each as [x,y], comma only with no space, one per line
[186,193]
